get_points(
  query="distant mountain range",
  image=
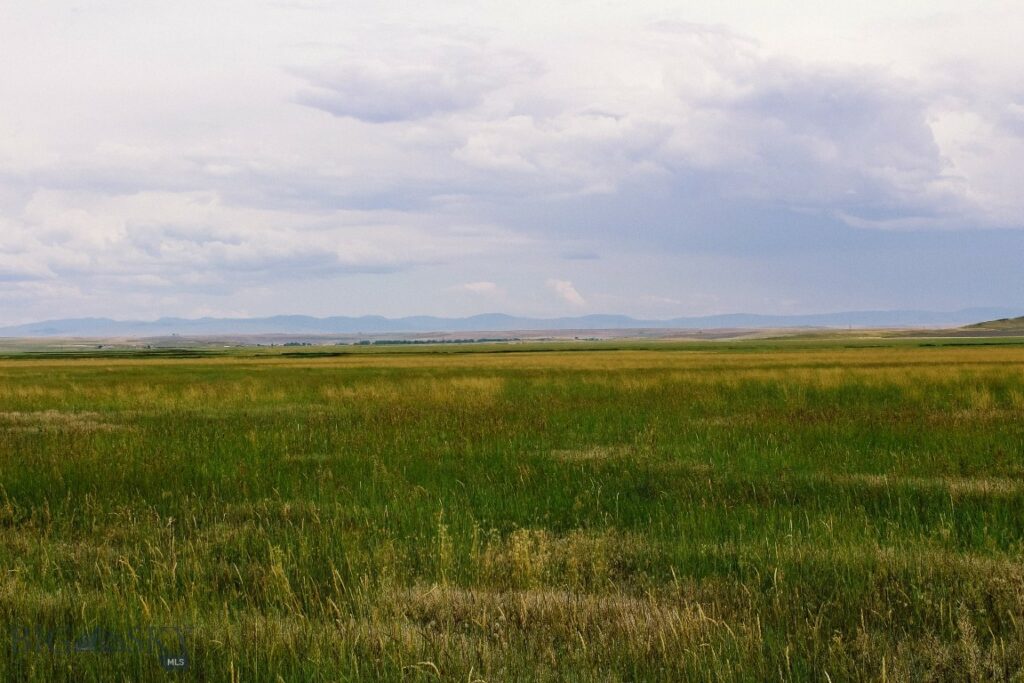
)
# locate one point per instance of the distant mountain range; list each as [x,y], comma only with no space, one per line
[493,322]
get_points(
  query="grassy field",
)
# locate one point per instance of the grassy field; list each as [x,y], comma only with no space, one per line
[743,511]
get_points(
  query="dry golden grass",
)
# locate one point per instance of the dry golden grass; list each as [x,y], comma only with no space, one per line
[954,486]
[50,420]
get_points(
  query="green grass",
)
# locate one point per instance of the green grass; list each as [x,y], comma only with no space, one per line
[763,510]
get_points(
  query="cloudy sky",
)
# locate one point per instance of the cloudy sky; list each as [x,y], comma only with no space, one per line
[659,159]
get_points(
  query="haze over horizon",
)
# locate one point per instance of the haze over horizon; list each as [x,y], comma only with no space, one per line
[655,159]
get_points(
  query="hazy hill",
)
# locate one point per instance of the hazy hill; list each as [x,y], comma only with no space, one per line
[1003,325]
[300,324]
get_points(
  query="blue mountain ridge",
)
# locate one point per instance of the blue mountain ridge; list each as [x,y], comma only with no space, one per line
[488,322]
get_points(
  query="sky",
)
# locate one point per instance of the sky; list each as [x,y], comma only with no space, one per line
[657,159]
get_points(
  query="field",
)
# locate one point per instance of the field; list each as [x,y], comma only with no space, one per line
[819,510]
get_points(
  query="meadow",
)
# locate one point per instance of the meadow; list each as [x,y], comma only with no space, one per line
[741,511]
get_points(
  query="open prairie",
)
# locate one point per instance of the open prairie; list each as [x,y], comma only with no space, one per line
[820,510]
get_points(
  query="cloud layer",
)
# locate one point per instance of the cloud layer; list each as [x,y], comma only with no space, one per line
[669,160]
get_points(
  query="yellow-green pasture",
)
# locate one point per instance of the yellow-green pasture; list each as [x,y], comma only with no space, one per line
[741,511]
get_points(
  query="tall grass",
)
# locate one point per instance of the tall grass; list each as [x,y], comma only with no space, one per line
[747,513]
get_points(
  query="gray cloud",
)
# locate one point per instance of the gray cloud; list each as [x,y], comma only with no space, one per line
[428,81]
[190,240]
[378,95]
[501,147]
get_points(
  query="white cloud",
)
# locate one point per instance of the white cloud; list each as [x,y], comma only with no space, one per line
[490,109]
[195,239]
[218,147]
[567,292]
